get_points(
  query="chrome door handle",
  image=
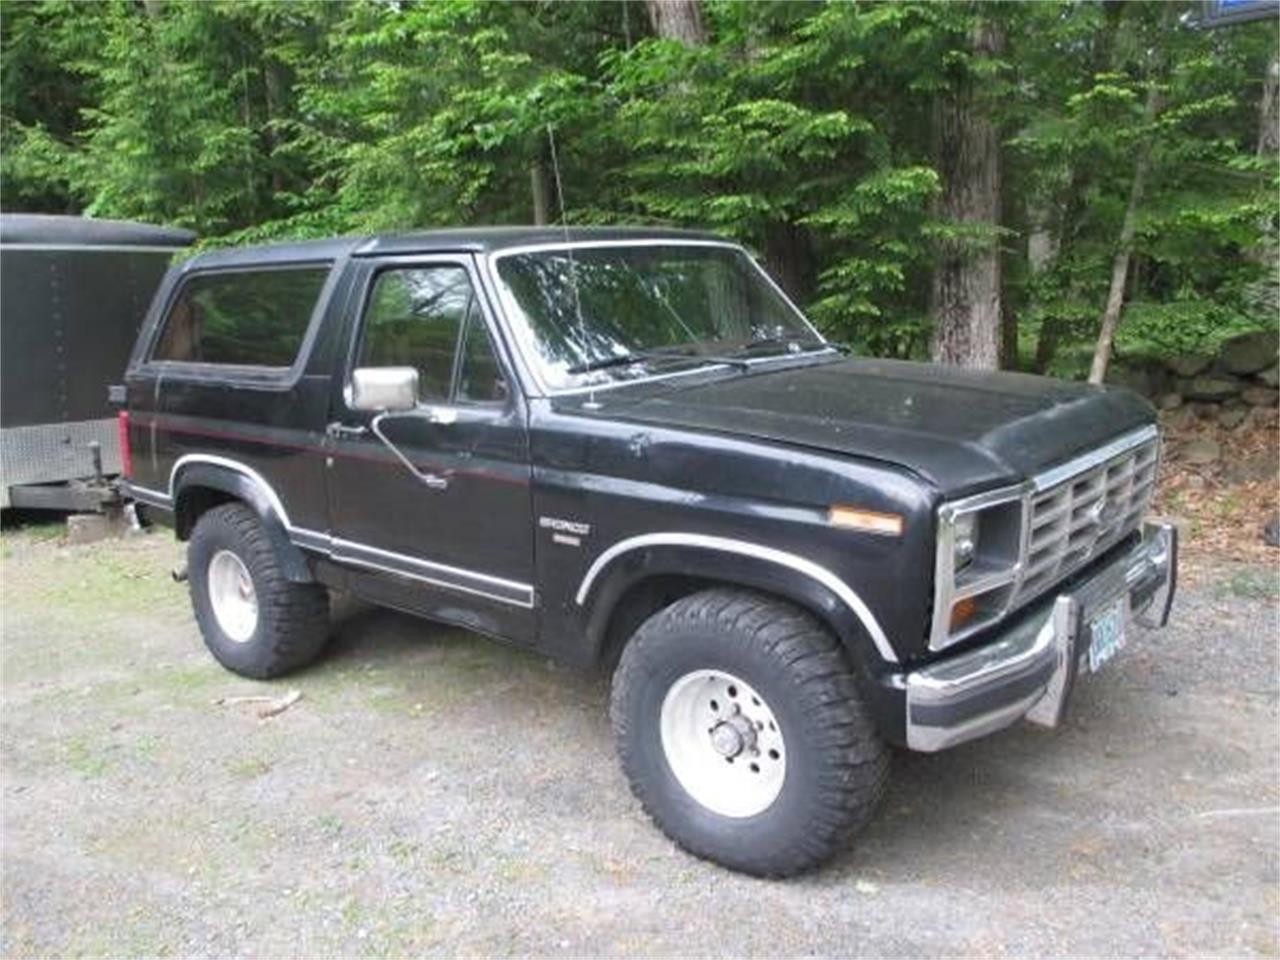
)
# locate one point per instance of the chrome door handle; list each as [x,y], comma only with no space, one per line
[336,430]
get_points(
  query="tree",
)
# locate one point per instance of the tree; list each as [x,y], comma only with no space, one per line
[678,20]
[965,300]
[1124,248]
[911,172]
[1269,111]
[1188,276]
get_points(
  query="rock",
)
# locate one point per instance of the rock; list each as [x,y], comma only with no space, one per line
[1271,532]
[1252,469]
[1261,396]
[1212,388]
[87,528]
[1271,376]
[1231,417]
[1250,352]
[1137,379]
[1178,419]
[1200,451]
[1188,364]
[1171,401]
[1264,417]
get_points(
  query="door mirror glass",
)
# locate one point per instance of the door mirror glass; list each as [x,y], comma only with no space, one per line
[384,389]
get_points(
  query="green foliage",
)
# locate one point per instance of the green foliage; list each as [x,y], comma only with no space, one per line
[1180,326]
[804,130]
[1209,204]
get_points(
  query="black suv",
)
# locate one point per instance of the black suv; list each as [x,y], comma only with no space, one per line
[627,448]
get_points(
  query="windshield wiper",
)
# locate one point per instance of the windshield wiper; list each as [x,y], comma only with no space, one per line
[785,340]
[629,359]
[677,352]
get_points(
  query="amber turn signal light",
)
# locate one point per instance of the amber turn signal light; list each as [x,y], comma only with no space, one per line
[962,612]
[868,521]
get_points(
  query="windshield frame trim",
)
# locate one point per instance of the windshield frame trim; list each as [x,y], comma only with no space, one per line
[532,365]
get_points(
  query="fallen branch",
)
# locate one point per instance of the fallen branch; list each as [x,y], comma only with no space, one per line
[281,705]
[274,705]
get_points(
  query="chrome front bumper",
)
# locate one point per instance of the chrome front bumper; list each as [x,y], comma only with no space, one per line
[1028,671]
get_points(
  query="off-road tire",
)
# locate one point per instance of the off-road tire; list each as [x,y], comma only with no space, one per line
[293,618]
[837,765]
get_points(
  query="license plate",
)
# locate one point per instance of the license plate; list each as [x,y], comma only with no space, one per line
[1106,634]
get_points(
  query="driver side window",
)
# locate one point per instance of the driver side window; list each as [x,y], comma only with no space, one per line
[428,318]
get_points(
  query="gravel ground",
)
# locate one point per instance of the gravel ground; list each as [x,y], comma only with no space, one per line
[432,793]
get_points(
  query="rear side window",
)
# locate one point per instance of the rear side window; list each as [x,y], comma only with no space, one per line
[252,318]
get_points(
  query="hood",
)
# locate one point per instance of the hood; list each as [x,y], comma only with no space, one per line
[960,429]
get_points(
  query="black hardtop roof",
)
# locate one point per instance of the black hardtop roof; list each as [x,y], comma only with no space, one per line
[460,240]
[65,231]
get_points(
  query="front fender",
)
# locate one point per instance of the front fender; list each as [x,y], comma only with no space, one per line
[722,560]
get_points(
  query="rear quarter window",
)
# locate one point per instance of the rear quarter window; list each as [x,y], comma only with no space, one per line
[252,318]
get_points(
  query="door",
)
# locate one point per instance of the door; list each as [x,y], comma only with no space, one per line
[433,505]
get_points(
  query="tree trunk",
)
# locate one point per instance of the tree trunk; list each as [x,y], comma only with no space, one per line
[965,296]
[1013,216]
[275,85]
[788,255]
[1124,250]
[1042,245]
[1042,250]
[678,20]
[540,181]
[1269,121]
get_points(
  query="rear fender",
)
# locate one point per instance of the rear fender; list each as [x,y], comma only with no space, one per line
[253,491]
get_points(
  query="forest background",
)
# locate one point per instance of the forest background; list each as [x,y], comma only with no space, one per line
[1012,184]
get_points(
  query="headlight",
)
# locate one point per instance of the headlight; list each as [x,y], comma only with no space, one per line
[964,543]
[979,545]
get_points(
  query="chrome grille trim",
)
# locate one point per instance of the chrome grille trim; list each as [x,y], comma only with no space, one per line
[1087,506]
[1059,532]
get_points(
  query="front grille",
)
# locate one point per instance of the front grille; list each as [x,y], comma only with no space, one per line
[1077,518]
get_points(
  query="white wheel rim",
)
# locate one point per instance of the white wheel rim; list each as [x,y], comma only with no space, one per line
[723,743]
[231,594]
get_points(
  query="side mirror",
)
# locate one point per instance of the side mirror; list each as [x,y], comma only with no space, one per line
[384,389]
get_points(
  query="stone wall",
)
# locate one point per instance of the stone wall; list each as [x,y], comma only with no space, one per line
[1241,376]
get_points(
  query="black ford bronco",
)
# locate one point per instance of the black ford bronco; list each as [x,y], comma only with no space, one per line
[627,448]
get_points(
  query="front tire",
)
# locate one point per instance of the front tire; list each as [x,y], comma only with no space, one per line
[255,621]
[741,731]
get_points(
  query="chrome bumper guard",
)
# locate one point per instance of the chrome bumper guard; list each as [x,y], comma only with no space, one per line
[1028,672]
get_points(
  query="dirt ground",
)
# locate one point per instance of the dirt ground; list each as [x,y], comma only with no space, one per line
[433,793]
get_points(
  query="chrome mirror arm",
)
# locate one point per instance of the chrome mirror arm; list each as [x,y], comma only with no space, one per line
[432,480]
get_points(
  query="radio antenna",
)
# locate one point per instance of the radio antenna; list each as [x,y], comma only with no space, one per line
[555,169]
[564,226]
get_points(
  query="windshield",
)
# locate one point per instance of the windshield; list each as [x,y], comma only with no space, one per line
[597,315]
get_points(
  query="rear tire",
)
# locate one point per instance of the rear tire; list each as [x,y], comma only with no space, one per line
[255,621]
[728,670]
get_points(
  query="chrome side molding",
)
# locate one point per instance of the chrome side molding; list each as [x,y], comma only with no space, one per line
[351,552]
